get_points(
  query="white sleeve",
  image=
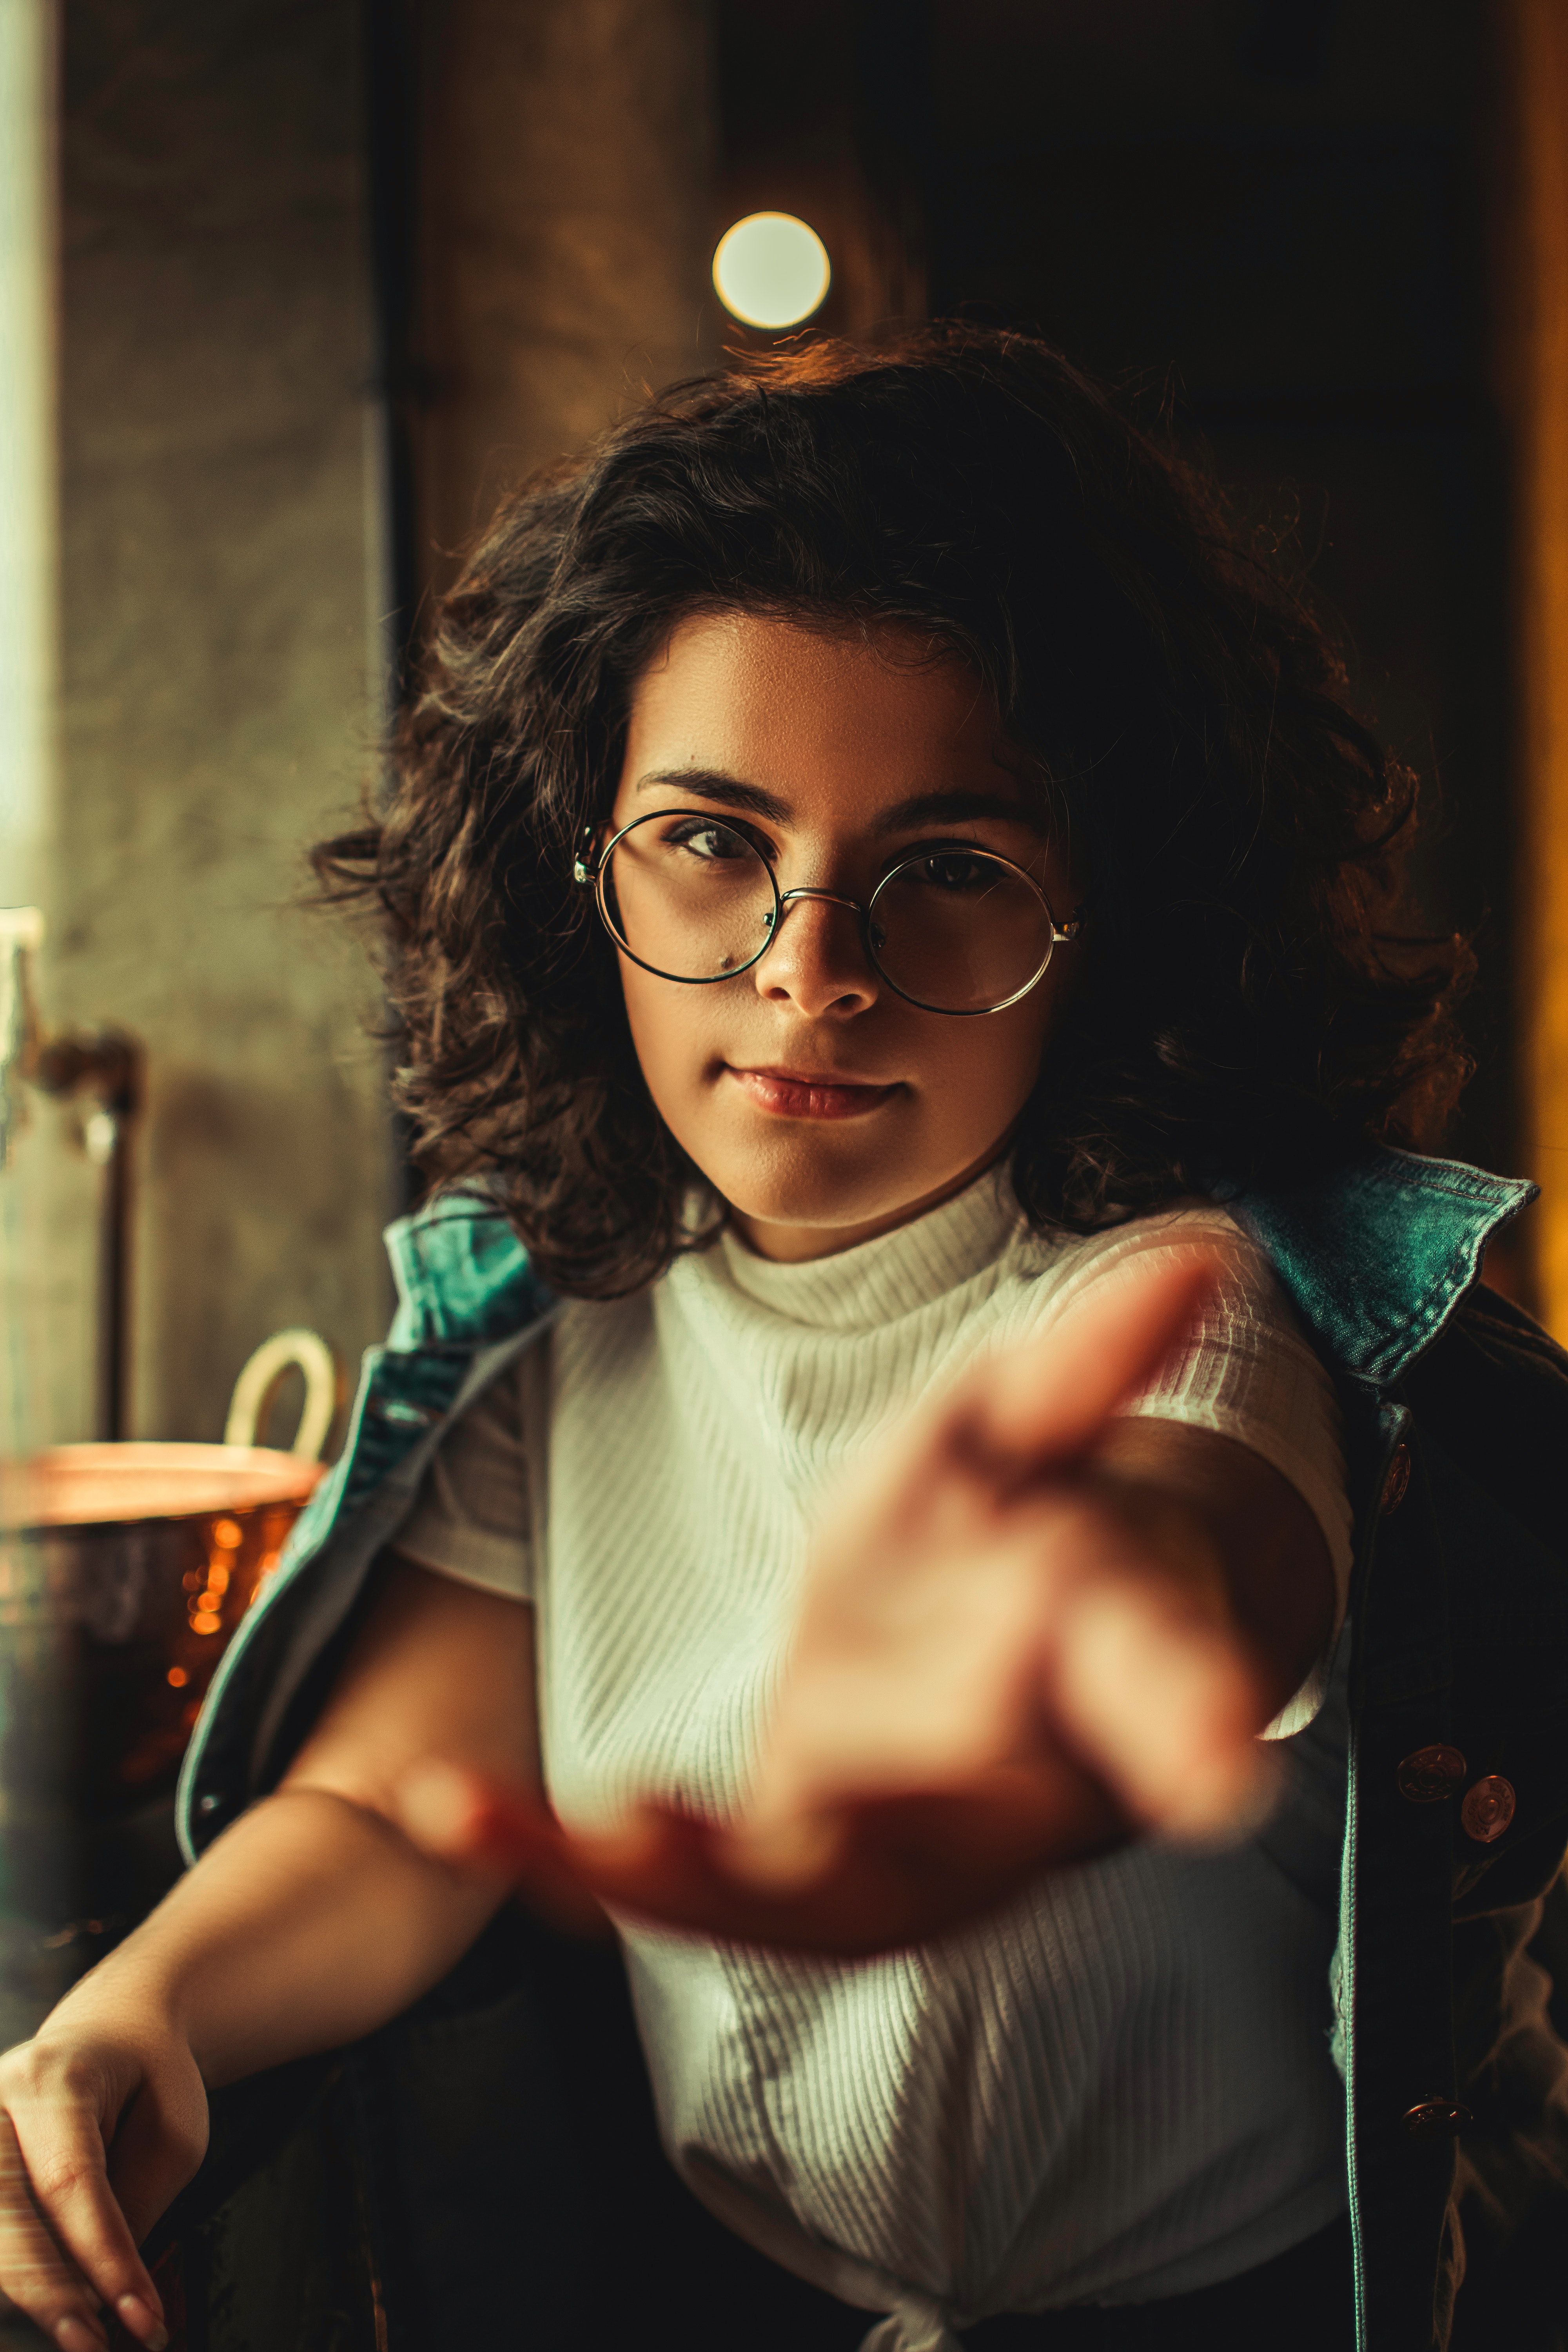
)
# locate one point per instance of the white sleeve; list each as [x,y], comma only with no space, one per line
[1247,1371]
[471,1518]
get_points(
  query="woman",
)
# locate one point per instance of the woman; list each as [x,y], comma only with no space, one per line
[891,911]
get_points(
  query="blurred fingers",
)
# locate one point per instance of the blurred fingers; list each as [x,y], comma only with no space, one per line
[656,1862]
[1050,1399]
[879,1875]
[876,1874]
[833,1890]
[462,1818]
[1163,1704]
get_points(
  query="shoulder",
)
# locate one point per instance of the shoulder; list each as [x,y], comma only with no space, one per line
[1046,1275]
[463,1276]
[1066,1263]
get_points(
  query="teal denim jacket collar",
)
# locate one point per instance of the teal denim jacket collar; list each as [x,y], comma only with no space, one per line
[1376,1257]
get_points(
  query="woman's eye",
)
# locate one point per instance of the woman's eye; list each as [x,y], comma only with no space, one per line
[956,870]
[710,841]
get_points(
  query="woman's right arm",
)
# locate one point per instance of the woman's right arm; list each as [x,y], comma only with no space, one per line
[311,1922]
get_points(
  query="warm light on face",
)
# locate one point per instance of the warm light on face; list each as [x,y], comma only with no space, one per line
[771,270]
[835,732]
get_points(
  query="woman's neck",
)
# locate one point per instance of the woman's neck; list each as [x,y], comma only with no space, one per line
[792,1244]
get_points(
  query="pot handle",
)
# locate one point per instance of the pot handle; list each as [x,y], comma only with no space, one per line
[257,1385]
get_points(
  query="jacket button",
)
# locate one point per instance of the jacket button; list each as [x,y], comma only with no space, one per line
[1395,1478]
[1435,2119]
[1487,1808]
[1430,1774]
[404,1413]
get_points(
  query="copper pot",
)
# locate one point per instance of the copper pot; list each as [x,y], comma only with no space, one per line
[124,1569]
[135,1564]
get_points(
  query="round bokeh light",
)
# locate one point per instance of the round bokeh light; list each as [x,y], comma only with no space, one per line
[771,270]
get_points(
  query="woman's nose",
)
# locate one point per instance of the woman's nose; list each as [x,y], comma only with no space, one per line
[817,961]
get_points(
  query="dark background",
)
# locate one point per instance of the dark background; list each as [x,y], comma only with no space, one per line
[1269,222]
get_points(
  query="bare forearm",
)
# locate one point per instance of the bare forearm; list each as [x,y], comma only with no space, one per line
[308,1923]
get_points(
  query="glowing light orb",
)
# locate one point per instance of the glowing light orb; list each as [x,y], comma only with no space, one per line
[771,270]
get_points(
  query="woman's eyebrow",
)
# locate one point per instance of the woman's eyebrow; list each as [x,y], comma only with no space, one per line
[950,804]
[953,805]
[713,784]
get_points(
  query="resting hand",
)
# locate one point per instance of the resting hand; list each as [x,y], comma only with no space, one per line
[1009,1655]
[98,2128]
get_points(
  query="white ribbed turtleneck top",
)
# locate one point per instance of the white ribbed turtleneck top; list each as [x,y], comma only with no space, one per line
[1117,2089]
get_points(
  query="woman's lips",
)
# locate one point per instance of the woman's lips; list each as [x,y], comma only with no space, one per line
[799,1094]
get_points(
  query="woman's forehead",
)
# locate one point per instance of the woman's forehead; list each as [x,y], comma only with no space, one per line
[785,706]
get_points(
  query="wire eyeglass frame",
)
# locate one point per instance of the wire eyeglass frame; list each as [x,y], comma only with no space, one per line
[593,873]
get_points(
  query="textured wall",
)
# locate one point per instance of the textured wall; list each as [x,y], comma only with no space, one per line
[220,671]
[223,580]
[566,232]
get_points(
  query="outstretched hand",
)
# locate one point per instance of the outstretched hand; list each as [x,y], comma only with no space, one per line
[1007,1657]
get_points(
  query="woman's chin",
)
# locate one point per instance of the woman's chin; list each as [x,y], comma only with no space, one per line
[794,1222]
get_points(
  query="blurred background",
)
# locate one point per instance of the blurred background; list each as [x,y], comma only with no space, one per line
[290,290]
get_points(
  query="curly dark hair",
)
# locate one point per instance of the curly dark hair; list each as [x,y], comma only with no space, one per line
[1246,1004]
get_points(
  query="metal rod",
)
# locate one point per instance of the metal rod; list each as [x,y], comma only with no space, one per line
[106,1065]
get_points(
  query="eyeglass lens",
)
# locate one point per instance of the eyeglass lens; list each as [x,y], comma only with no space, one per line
[957,930]
[688,897]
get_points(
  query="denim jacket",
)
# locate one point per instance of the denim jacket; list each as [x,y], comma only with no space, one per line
[1457,2110]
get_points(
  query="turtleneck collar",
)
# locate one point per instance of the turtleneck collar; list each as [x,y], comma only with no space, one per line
[890,1275]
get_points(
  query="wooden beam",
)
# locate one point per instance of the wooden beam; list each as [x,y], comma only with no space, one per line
[1533,255]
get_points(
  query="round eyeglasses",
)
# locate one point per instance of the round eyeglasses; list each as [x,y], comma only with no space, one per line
[951,928]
